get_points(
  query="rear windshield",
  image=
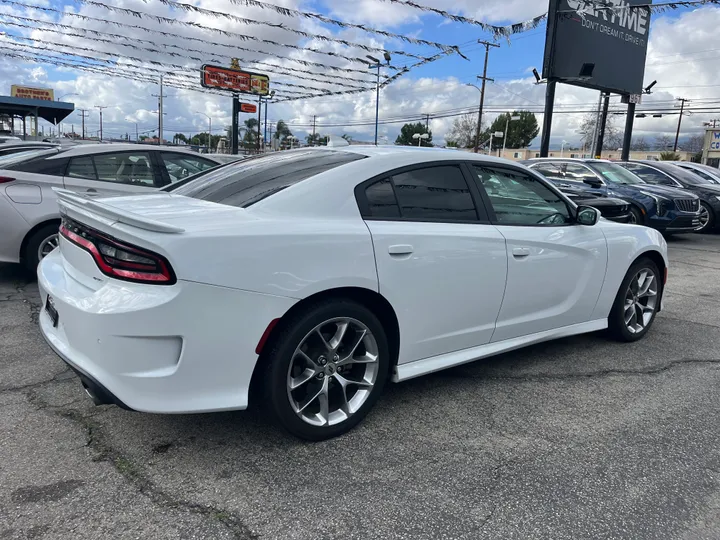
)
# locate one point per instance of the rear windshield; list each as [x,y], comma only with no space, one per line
[251,180]
[18,157]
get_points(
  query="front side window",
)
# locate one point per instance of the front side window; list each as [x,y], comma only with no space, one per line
[578,173]
[434,193]
[551,171]
[180,166]
[519,199]
[649,175]
[612,172]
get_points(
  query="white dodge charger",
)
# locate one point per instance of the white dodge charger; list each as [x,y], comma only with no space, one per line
[307,279]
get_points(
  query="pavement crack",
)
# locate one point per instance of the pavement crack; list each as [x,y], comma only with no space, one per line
[698,265]
[31,386]
[135,475]
[651,370]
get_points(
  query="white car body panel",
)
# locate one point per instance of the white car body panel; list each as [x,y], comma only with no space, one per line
[460,292]
[555,275]
[467,267]
[32,196]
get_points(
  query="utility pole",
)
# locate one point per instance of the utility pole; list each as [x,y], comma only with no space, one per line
[83,113]
[677,133]
[101,107]
[259,123]
[601,128]
[484,78]
[313,136]
[427,122]
[160,97]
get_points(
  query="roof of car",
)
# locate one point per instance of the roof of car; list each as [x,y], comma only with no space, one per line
[424,154]
[27,144]
[100,148]
[582,160]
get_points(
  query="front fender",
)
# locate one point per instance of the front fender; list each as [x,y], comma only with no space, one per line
[626,243]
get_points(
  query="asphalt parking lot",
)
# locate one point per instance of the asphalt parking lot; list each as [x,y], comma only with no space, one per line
[579,438]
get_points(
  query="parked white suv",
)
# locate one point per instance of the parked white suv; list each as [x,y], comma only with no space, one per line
[29,216]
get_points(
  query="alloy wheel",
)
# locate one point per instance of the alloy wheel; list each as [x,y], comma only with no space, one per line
[641,300]
[704,218]
[47,245]
[332,372]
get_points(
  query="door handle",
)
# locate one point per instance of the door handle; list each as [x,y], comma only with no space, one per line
[520,253]
[400,249]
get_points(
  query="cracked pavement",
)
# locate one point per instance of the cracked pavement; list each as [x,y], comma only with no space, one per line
[578,438]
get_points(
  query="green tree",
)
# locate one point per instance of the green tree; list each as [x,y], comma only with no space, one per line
[408,130]
[250,139]
[669,156]
[180,137]
[316,139]
[282,130]
[520,134]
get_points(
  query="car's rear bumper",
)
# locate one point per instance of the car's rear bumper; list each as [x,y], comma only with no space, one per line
[184,348]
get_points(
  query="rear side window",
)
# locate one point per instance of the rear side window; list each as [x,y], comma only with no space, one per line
[81,167]
[435,193]
[251,180]
[381,200]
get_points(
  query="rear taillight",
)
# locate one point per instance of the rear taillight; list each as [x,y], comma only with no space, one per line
[119,259]
[6,179]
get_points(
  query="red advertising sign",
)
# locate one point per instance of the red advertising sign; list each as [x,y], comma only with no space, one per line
[248,108]
[242,82]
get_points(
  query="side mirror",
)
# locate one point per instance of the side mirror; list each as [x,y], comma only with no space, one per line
[593,182]
[587,215]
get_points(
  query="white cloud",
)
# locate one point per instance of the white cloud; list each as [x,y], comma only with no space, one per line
[673,60]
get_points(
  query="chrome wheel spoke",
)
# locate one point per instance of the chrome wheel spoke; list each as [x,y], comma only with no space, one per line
[324,401]
[629,311]
[349,358]
[309,360]
[305,376]
[336,340]
[322,391]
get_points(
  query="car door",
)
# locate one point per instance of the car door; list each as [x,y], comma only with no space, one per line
[177,166]
[440,263]
[112,173]
[556,267]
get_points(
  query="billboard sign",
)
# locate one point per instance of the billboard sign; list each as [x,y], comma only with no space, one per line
[600,45]
[27,92]
[238,81]
[248,108]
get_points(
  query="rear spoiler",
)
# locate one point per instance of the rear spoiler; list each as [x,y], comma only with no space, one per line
[70,199]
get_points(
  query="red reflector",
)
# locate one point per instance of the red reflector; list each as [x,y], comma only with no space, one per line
[266,335]
[6,179]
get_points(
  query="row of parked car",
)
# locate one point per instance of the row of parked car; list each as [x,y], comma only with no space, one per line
[672,197]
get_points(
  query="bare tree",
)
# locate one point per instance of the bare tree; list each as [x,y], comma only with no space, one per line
[612,137]
[695,144]
[463,131]
[663,142]
[639,144]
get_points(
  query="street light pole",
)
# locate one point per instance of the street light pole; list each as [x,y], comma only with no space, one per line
[101,107]
[377,65]
[484,78]
[507,127]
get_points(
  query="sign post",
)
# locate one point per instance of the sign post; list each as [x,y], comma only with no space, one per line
[237,81]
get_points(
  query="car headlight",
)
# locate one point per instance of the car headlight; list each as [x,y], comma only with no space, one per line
[660,202]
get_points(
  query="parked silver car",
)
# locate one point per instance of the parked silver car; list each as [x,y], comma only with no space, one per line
[29,215]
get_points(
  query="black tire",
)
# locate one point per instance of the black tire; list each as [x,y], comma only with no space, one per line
[636,216]
[30,255]
[290,337]
[710,225]
[616,321]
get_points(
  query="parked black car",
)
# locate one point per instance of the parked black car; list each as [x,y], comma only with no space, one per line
[711,174]
[609,207]
[662,173]
[667,209]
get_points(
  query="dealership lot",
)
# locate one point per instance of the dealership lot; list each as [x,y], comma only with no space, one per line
[580,438]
